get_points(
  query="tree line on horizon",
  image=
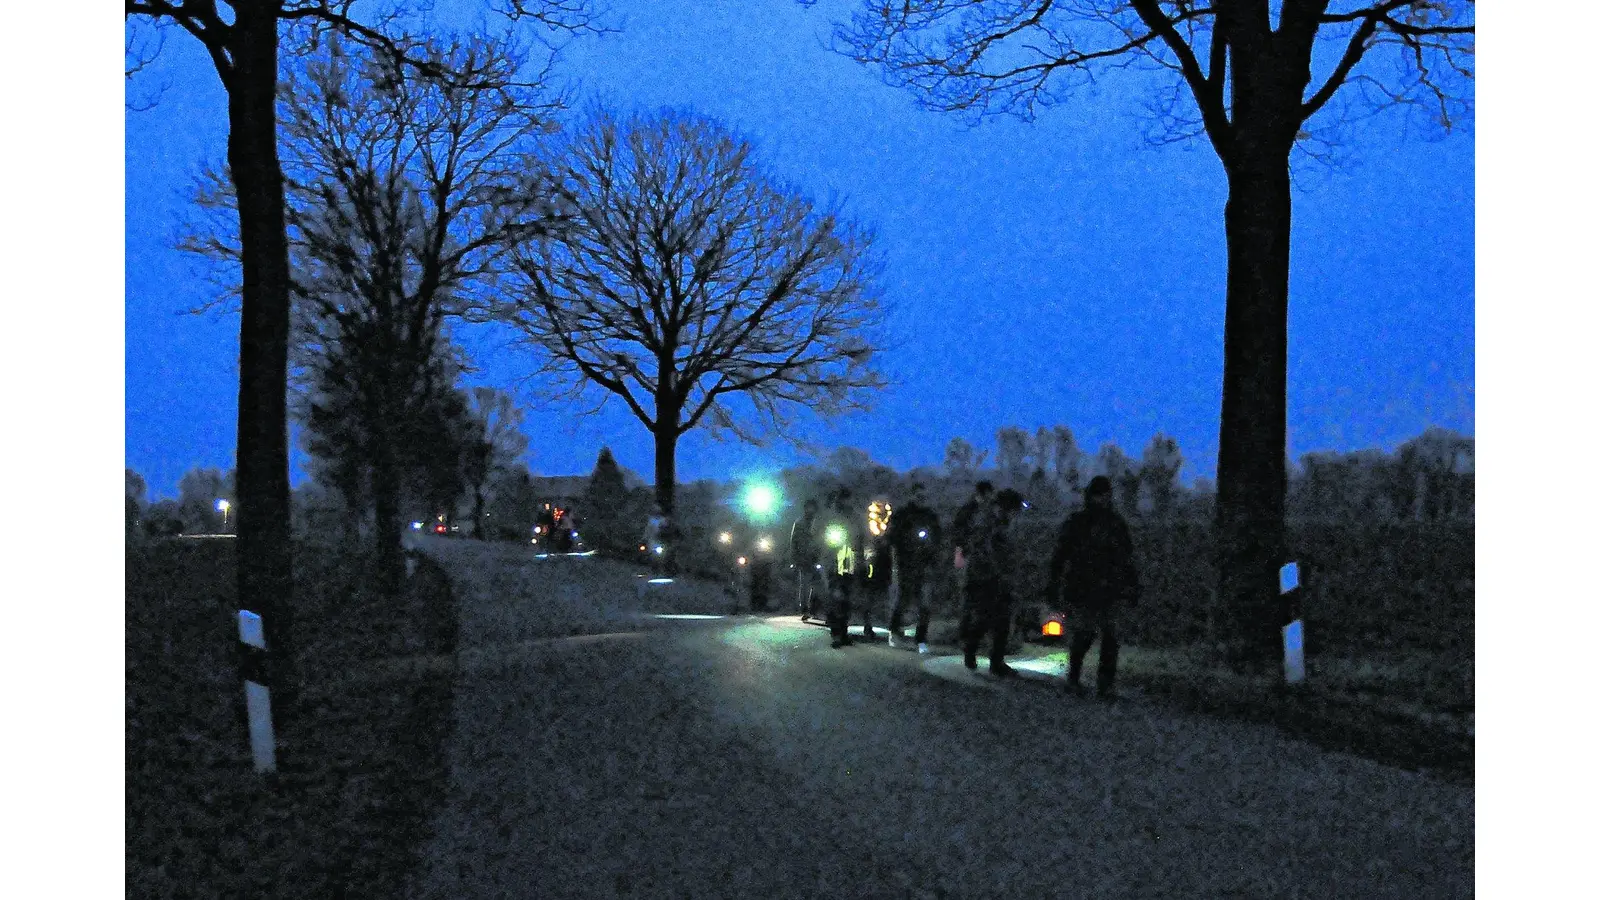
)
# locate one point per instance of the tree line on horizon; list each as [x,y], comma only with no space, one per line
[1427,478]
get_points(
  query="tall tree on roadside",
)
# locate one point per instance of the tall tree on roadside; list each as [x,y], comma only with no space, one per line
[242,40]
[404,193]
[1239,72]
[694,288]
[495,445]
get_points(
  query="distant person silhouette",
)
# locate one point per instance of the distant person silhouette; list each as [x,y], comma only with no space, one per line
[805,557]
[845,549]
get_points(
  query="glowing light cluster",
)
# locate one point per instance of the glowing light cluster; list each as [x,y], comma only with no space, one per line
[878,513]
[834,535]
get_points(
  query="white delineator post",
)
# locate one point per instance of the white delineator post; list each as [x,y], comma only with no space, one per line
[257,699]
[1294,633]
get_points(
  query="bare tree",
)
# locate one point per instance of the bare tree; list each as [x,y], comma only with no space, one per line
[687,280]
[960,456]
[402,195]
[242,40]
[497,445]
[1068,461]
[1043,448]
[1239,72]
[1158,472]
[1011,455]
[1115,465]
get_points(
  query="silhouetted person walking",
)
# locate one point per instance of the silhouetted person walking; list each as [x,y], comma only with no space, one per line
[980,534]
[843,537]
[1096,550]
[806,554]
[914,536]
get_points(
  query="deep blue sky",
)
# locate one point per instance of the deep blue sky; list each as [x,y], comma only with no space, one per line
[1078,269]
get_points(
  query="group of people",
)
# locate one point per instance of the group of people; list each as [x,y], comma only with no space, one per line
[846,562]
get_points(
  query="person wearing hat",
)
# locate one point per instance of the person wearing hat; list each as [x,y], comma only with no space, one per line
[1095,548]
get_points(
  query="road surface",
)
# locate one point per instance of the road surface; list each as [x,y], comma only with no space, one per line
[603,751]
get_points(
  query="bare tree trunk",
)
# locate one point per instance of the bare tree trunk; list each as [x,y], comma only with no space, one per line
[388,555]
[264,572]
[666,468]
[1251,477]
[477,512]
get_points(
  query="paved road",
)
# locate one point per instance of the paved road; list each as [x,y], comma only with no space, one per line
[742,757]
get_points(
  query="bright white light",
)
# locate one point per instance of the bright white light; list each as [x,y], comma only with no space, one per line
[764,544]
[922,534]
[660,581]
[760,499]
[726,537]
[223,506]
[741,560]
[660,550]
[834,535]
[416,526]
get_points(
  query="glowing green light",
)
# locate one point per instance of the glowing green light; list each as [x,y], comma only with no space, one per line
[760,499]
[834,535]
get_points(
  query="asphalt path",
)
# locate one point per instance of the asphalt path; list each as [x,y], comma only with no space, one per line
[602,750]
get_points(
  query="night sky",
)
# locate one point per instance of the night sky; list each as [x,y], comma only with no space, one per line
[1063,271]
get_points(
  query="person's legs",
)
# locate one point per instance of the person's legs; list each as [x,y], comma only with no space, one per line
[868,597]
[999,634]
[837,612]
[971,625]
[900,596]
[1082,638]
[924,613]
[1106,677]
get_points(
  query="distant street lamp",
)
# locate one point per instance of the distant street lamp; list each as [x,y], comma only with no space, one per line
[223,506]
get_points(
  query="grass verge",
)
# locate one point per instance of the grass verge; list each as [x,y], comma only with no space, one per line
[1354,708]
[364,765]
